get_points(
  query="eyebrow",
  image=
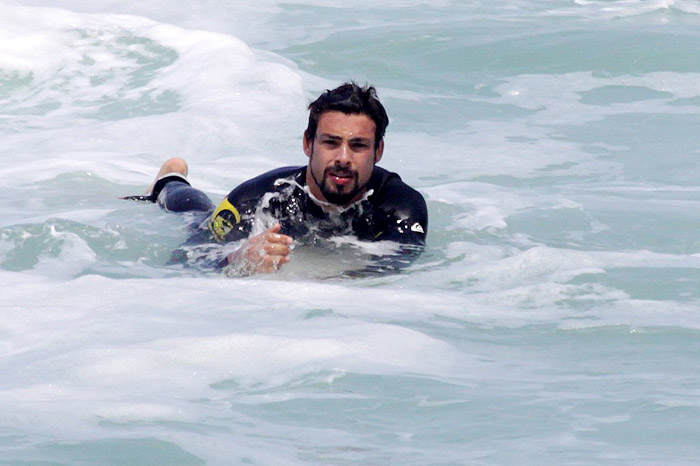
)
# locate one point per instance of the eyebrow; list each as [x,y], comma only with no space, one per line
[339,138]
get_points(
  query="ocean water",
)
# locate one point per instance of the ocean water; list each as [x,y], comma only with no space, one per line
[553,319]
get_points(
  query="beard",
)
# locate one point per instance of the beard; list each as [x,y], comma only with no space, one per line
[338,194]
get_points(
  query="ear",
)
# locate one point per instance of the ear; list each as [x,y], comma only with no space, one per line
[308,145]
[379,152]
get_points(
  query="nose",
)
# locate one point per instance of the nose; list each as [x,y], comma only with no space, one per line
[344,154]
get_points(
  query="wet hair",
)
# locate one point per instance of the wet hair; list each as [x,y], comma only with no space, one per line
[350,99]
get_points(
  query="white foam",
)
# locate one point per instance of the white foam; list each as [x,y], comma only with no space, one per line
[596,9]
[77,61]
[245,369]
[136,351]
[562,265]
[638,314]
[557,97]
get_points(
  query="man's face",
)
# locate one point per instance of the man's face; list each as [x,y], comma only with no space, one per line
[341,157]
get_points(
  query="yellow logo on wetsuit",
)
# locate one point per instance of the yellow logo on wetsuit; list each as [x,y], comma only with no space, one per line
[223,220]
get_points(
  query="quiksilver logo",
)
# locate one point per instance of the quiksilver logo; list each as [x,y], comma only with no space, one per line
[417,228]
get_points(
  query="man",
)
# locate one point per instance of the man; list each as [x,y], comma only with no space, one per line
[340,191]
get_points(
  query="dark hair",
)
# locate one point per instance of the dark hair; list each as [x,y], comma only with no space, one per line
[349,98]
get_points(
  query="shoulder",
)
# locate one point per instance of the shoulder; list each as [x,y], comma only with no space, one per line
[261,184]
[400,210]
[391,193]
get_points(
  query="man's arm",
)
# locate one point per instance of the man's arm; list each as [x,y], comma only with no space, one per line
[406,215]
[406,223]
[233,218]
[262,253]
[232,221]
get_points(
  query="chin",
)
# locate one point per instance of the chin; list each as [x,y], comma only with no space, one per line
[340,199]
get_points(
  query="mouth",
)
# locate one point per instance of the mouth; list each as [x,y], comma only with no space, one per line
[341,178]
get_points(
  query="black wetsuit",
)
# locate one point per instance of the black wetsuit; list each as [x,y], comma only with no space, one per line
[391,210]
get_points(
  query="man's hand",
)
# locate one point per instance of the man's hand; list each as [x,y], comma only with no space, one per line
[263,253]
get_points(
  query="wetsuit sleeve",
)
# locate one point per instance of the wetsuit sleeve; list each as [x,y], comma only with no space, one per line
[233,218]
[226,223]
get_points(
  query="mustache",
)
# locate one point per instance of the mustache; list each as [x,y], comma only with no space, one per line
[340,171]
